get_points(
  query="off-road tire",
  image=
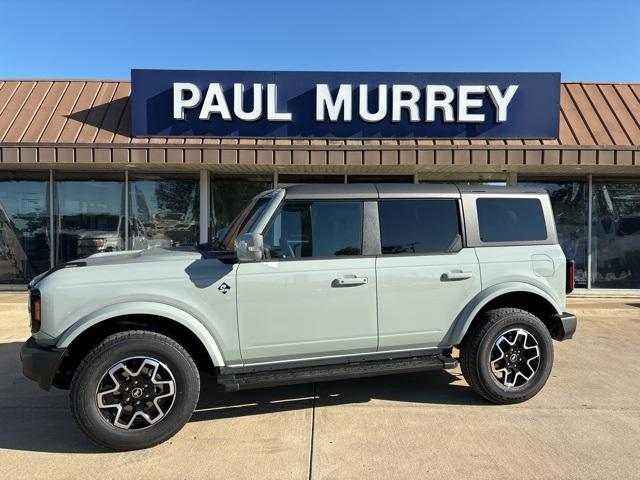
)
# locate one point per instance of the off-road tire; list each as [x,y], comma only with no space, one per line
[475,352]
[109,352]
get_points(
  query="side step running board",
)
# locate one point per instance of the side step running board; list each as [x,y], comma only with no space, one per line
[243,381]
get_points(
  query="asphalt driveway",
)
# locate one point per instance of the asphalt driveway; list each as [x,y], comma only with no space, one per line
[584,424]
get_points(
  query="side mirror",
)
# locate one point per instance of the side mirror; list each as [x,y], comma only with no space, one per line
[249,247]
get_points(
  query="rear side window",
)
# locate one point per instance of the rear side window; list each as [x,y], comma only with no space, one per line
[419,226]
[511,219]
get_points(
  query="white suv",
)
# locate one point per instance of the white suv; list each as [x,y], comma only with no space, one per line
[309,283]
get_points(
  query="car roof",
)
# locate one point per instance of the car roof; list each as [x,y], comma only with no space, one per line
[480,188]
[314,191]
[331,190]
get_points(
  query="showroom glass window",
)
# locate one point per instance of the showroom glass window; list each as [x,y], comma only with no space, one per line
[24,227]
[230,195]
[569,200]
[88,215]
[419,226]
[615,235]
[321,229]
[164,211]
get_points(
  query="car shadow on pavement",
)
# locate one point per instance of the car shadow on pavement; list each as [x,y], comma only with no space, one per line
[432,387]
[34,420]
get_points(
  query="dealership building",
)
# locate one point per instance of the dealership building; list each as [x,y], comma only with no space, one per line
[89,166]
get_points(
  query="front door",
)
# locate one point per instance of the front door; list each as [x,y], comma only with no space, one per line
[424,276]
[314,294]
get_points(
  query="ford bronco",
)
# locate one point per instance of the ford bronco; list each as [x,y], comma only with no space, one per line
[309,283]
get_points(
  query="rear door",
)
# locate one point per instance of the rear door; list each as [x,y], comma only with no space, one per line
[425,276]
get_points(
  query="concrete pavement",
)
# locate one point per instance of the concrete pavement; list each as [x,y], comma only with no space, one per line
[584,424]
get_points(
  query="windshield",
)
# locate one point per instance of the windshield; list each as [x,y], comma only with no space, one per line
[244,221]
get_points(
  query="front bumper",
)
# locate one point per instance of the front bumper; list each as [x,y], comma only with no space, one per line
[39,363]
[564,326]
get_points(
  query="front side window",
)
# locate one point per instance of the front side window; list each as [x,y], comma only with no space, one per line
[419,226]
[307,229]
[511,219]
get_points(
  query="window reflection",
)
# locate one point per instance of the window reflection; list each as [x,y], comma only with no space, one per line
[616,235]
[315,229]
[24,229]
[407,226]
[164,212]
[230,197]
[89,217]
[569,202]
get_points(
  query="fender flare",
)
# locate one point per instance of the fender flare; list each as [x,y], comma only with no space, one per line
[466,316]
[145,308]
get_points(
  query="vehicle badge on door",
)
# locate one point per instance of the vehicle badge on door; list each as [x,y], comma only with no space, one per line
[224,288]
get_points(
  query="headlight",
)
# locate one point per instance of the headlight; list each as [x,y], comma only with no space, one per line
[35,310]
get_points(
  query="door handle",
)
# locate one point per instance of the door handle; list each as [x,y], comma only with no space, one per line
[456,275]
[349,281]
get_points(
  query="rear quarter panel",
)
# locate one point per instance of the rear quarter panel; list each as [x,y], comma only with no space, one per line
[537,269]
[542,266]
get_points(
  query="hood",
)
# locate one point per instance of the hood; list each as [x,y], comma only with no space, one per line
[146,260]
[151,255]
[156,254]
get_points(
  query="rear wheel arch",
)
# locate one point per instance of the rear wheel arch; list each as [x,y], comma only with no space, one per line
[83,342]
[525,298]
[527,301]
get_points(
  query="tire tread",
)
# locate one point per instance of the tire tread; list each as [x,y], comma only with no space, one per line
[471,344]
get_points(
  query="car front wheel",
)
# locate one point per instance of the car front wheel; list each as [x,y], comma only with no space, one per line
[507,355]
[135,389]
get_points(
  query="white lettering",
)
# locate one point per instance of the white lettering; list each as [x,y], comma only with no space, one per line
[238,101]
[214,102]
[501,101]
[432,103]
[337,105]
[180,103]
[272,105]
[325,102]
[410,103]
[365,114]
[465,103]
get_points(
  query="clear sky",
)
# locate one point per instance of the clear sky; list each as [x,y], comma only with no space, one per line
[583,39]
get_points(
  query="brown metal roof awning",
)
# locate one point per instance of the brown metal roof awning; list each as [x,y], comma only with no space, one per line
[89,122]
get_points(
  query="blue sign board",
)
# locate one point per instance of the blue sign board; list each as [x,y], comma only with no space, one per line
[183,103]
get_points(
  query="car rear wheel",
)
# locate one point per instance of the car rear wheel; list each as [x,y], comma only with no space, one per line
[135,389]
[507,355]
